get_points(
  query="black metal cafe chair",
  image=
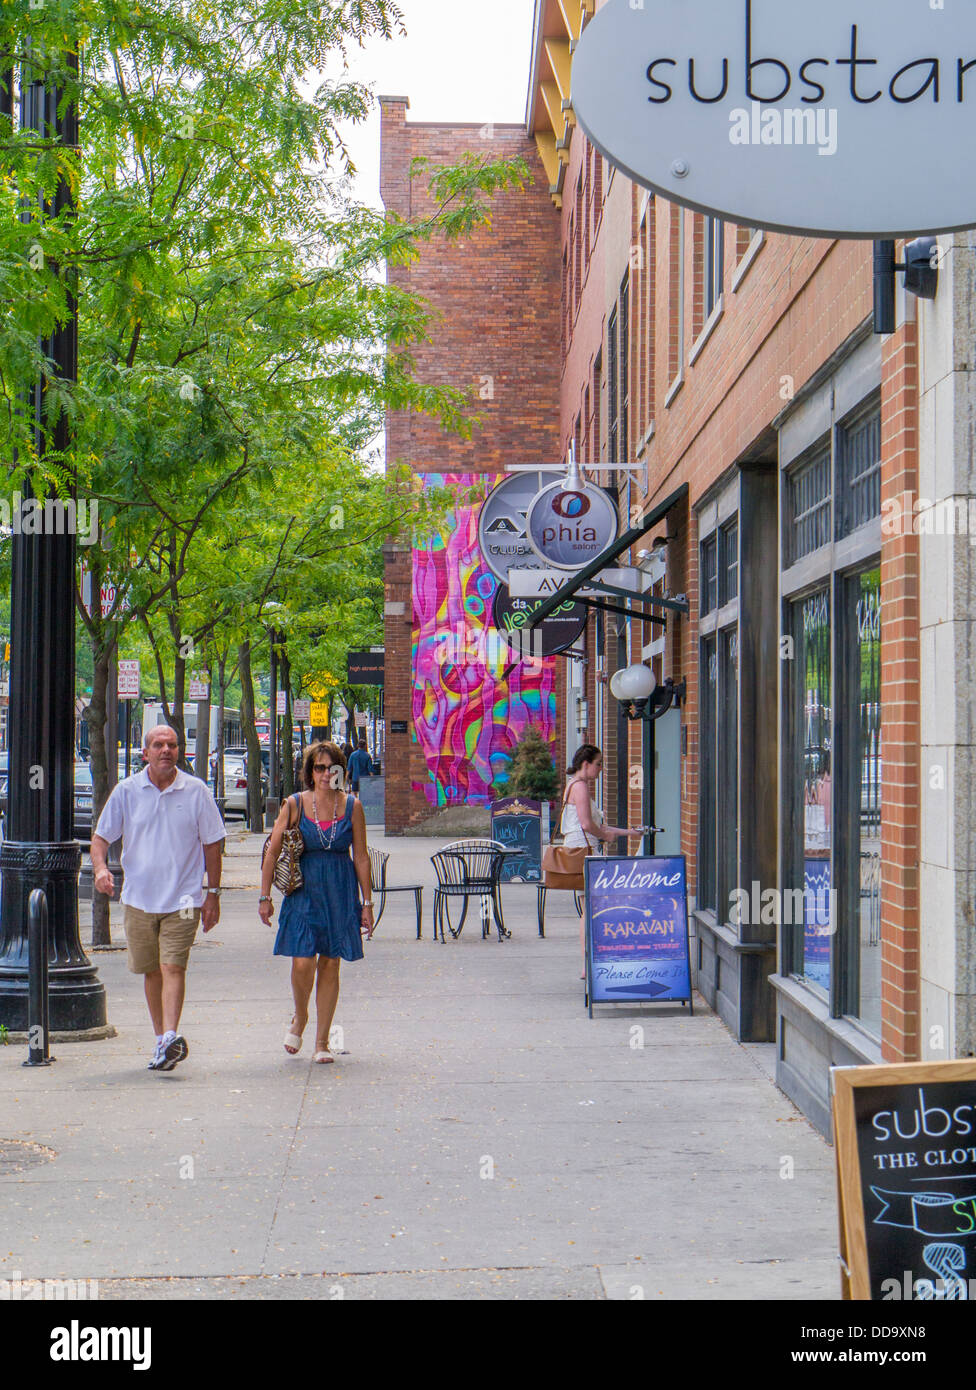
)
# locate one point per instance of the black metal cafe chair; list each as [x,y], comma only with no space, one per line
[468,869]
[377,873]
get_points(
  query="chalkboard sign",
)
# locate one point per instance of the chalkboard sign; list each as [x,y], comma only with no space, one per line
[637,945]
[517,823]
[905,1143]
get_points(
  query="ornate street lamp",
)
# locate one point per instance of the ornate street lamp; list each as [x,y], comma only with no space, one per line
[637,690]
[39,850]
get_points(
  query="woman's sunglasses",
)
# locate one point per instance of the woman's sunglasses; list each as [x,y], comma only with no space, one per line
[323,767]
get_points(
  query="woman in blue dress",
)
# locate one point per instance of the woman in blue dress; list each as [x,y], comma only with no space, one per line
[322,922]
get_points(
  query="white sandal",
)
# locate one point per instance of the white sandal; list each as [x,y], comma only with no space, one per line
[293,1040]
[323,1057]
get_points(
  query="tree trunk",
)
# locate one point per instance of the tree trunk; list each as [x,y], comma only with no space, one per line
[201,758]
[222,688]
[176,718]
[95,718]
[350,704]
[254,816]
[286,751]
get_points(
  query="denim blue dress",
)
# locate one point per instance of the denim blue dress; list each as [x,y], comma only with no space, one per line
[322,918]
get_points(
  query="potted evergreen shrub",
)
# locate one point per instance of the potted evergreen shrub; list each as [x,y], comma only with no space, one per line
[531,775]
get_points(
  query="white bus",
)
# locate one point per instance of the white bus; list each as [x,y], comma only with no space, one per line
[153,716]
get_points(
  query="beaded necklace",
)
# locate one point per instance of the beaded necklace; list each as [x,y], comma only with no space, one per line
[318,828]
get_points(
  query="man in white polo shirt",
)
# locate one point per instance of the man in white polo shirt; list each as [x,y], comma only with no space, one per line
[170,829]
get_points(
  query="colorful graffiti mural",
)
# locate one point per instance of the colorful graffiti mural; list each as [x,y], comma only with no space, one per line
[467,716]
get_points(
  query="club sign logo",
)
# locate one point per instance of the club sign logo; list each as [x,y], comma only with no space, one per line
[567,528]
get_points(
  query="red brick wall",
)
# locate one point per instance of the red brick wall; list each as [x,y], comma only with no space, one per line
[494,332]
[900,676]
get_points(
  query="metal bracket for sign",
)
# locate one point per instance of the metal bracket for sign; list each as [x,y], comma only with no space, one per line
[586,576]
[635,472]
[615,608]
[676,605]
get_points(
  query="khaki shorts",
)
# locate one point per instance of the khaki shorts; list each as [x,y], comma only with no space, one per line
[156,938]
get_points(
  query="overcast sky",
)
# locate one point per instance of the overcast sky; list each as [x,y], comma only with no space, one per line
[460,61]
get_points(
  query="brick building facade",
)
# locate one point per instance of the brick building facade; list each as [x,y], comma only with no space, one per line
[494,300]
[823,749]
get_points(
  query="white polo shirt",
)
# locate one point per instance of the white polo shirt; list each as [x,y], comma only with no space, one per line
[163,834]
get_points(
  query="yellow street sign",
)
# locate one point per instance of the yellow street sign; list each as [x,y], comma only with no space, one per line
[319,714]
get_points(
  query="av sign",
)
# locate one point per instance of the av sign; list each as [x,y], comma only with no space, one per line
[848,118]
[567,528]
[526,583]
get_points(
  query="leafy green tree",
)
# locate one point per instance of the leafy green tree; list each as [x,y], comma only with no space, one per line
[236,341]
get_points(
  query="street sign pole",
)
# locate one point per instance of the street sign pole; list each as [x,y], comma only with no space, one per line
[39,850]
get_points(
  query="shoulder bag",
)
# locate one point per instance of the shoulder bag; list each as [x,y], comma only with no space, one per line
[288,870]
[562,867]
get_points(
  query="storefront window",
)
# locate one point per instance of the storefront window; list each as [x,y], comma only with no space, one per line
[728,818]
[865,590]
[813,632]
[707,887]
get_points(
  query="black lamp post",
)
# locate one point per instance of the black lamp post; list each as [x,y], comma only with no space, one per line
[39,850]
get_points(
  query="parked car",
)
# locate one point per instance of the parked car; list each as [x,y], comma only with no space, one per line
[235,784]
[136,763]
[84,793]
[83,797]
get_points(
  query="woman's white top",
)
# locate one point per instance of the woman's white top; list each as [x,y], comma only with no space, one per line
[574,836]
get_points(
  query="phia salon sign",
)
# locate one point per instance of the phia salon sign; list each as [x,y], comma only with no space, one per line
[729,106]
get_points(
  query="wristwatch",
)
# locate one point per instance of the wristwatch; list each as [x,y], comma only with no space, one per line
[266,898]
[216,891]
[367,904]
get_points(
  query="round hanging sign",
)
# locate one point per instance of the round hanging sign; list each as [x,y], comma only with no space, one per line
[567,528]
[554,634]
[501,523]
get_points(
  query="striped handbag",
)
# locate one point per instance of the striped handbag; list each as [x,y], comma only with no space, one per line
[288,870]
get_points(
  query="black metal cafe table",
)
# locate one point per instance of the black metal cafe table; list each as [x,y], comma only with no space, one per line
[470,869]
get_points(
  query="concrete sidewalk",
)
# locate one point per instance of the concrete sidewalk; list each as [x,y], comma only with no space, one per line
[481,1138]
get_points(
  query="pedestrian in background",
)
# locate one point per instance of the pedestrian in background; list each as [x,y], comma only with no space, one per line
[321,923]
[582,822]
[360,765]
[170,829]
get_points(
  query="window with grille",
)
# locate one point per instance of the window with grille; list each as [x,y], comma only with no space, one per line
[809,506]
[708,777]
[714,262]
[613,387]
[565,301]
[729,562]
[858,472]
[578,240]
[709,575]
[624,372]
